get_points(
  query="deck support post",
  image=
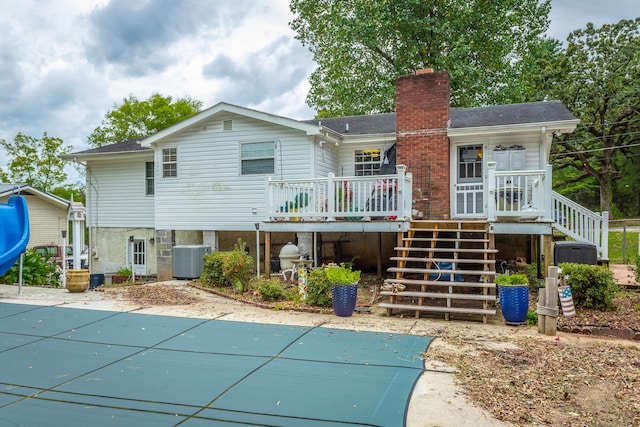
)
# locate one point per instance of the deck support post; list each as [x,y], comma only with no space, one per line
[267,254]
[548,304]
[548,252]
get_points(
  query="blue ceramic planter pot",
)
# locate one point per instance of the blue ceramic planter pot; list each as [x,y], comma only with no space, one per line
[514,303]
[344,299]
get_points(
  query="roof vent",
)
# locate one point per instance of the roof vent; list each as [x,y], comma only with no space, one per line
[227,125]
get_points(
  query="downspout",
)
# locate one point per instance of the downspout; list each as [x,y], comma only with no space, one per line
[89,220]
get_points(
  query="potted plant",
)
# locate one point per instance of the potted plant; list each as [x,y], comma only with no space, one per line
[123,275]
[344,287]
[513,291]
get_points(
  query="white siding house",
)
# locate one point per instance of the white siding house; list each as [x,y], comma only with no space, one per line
[229,171]
[210,191]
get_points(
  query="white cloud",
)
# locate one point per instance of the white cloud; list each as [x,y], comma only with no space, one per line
[65,63]
[569,15]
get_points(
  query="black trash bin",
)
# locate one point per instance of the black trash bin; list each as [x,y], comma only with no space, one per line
[575,252]
[275,265]
[96,280]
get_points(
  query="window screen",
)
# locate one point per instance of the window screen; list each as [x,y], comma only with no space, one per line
[257,158]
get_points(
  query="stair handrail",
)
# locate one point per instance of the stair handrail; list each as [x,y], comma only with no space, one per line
[581,224]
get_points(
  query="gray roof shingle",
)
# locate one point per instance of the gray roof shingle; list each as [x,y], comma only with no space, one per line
[118,147]
[360,125]
[497,115]
[511,114]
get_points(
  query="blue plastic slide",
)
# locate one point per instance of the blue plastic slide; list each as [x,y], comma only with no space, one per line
[14,231]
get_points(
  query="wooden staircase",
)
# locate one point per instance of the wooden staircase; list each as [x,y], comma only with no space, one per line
[444,267]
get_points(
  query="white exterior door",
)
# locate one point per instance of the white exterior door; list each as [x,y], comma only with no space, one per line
[137,254]
[469,183]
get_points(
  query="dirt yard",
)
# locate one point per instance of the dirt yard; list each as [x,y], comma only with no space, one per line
[517,375]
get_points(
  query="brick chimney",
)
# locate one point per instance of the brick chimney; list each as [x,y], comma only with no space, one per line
[422,117]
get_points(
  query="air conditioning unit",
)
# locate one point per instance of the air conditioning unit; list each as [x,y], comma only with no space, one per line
[187,260]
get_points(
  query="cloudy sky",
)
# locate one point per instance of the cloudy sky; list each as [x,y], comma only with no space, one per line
[65,63]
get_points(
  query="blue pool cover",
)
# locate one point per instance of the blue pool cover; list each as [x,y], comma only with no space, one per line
[64,366]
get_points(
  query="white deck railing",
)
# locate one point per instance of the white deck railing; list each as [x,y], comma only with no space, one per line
[377,197]
[581,224]
[519,194]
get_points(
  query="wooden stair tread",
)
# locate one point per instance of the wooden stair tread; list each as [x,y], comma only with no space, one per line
[421,242]
[419,282]
[437,309]
[432,239]
[449,225]
[449,230]
[437,271]
[459,250]
[444,295]
[456,260]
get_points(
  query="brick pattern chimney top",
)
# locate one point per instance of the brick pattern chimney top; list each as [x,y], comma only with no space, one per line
[425,71]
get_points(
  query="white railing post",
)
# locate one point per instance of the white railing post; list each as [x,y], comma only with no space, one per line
[409,199]
[548,193]
[402,192]
[269,200]
[605,236]
[331,197]
[491,191]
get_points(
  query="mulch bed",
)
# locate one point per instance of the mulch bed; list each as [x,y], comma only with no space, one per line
[624,322]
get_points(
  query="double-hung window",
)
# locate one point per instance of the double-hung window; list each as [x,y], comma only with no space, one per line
[257,158]
[169,163]
[367,162]
[149,178]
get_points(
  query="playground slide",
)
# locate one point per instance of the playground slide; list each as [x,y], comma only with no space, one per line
[14,231]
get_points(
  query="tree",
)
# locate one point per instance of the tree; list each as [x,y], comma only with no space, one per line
[598,77]
[137,119]
[35,161]
[68,191]
[361,46]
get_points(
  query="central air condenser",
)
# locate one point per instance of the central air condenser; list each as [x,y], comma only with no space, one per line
[187,260]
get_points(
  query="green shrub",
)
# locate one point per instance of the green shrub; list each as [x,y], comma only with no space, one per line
[212,273]
[271,289]
[318,288]
[125,271]
[635,268]
[592,286]
[531,270]
[238,266]
[228,268]
[36,271]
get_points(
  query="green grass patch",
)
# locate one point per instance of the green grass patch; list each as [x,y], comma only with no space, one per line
[623,249]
